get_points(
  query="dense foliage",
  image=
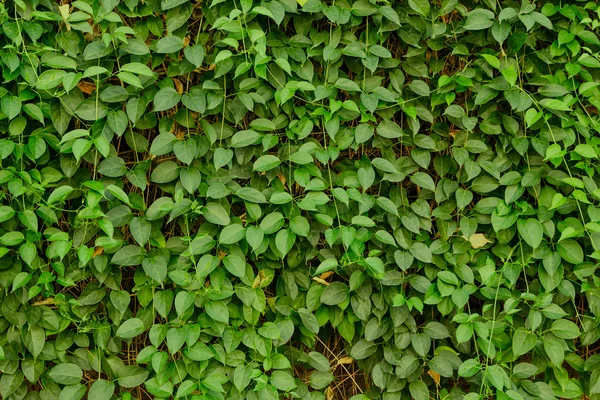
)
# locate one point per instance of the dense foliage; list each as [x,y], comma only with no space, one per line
[299,199]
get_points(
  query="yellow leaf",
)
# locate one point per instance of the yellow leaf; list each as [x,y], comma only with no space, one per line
[435,376]
[345,360]
[326,275]
[301,2]
[64,11]
[478,240]
[321,281]
[329,393]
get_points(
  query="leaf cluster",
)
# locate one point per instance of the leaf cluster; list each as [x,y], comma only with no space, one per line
[239,199]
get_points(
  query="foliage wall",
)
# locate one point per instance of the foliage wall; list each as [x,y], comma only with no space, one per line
[312,200]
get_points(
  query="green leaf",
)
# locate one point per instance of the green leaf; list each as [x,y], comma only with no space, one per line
[570,251]
[565,329]
[363,8]
[375,266]
[595,382]
[163,302]
[531,231]
[195,55]
[59,194]
[389,129]
[34,340]
[66,374]
[166,99]
[155,267]
[266,163]
[169,44]
[131,328]
[418,390]
[11,106]
[309,320]
[424,180]
[50,79]
[185,388]
[232,234]
[235,265]
[327,265]
[185,151]
[479,19]
[263,124]
[102,390]
[523,342]
[129,256]
[137,68]
[244,138]
[334,294]
[363,349]
[282,381]
[216,214]
[585,150]
[73,392]
[421,252]
[554,104]
[163,144]
[9,383]
[140,228]
[464,197]
[496,375]
[469,368]
[131,376]
[422,7]
[284,241]
[251,195]
[347,85]
[199,352]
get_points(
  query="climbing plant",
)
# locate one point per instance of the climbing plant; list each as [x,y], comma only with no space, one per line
[299,199]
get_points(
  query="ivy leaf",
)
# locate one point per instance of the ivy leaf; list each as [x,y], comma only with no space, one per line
[423,180]
[363,349]
[216,214]
[129,256]
[420,6]
[130,328]
[266,163]
[479,19]
[531,231]
[102,390]
[66,374]
[166,99]
[565,329]
[169,44]
[523,342]
[10,106]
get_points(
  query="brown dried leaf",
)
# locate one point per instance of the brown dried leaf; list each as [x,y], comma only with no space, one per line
[178,86]
[86,87]
[435,376]
[281,178]
[45,302]
[98,251]
[180,135]
[326,275]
